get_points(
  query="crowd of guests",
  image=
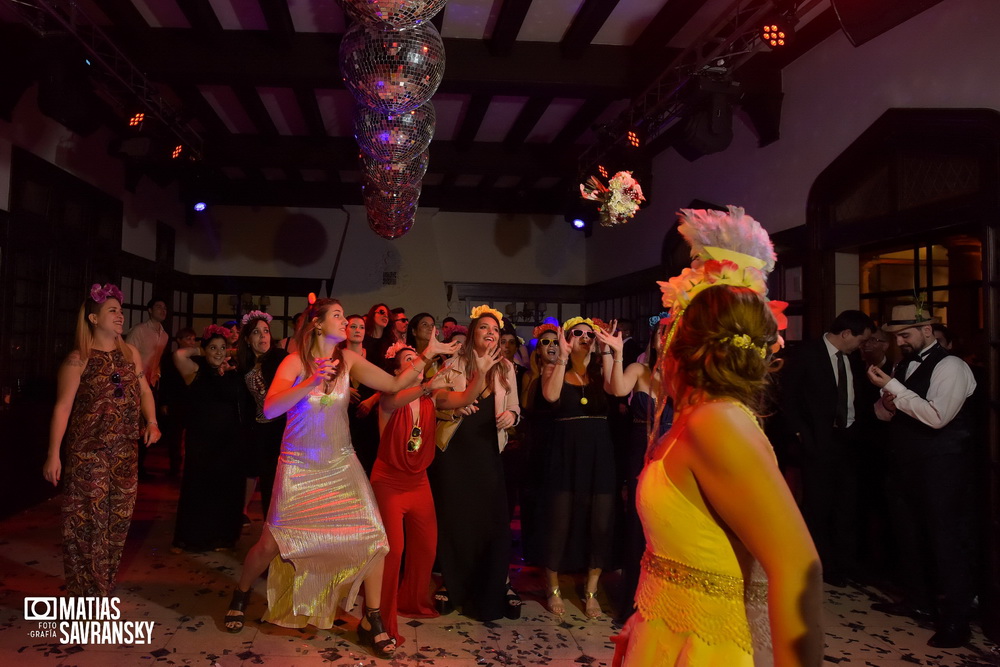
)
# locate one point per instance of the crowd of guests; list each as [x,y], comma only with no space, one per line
[433,440]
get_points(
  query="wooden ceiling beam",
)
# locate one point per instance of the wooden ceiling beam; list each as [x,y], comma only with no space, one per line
[197,107]
[666,24]
[233,57]
[585,116]
[200,15]
[306,99]
[587,22]
[473,119]
[526,121]
[279,19]
[124,14]
[252,104]
[507,26]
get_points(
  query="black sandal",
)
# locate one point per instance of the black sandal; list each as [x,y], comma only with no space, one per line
[238,603]
[442,602]
[385,648]
[514,602]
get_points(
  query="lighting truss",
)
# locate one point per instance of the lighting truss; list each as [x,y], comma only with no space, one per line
[727,43]
[112,68]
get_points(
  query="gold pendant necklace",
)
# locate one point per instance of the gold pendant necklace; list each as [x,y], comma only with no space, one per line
[583,389]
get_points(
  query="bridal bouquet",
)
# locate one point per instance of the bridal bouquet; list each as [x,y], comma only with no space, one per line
[619,198]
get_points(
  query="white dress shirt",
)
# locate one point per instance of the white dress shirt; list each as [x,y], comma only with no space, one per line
[951,383]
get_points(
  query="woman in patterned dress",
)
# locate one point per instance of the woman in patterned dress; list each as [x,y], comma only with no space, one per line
[100,394]
[323,536]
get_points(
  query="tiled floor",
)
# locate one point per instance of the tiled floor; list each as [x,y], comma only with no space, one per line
[186,596]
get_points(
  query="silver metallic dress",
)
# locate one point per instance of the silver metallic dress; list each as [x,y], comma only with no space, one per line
[323,515]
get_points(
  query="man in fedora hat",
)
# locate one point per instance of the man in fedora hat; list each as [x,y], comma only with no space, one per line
[931,474]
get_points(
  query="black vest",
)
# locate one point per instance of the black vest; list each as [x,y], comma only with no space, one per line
[911,437]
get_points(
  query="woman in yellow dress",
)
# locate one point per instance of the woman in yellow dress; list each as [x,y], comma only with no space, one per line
[730,576]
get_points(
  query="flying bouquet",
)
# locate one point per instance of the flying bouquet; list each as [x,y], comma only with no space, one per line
[619,199]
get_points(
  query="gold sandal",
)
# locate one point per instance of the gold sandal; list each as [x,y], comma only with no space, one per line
[555,602]
[592,608]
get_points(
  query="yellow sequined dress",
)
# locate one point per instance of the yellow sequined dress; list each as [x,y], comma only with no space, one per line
[323,515]
[700,602]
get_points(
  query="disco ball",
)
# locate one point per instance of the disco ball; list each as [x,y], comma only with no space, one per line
[392,14]
[391,175]
[392,71]
[385,201]
[394,137]
[388,230]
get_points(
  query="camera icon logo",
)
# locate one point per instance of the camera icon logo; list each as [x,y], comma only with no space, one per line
[40,609]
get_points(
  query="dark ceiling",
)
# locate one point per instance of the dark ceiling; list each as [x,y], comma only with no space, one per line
[528,87]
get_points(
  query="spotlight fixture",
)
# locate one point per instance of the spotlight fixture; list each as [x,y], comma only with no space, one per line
[200,206]
[602,170]
[579,223]
[178,149]
[776,32]
[632,137]
[136,121]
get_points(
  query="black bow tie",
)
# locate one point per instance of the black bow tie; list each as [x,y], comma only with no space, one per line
[919,356]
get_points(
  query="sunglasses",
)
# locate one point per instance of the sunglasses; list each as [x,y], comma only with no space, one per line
[545,342]
[403,319]
[579,332]
[415,441]
[116,379]
[380,311]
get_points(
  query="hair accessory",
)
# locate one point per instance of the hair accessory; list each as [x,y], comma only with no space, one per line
[479,311]
[744,342]
[396,348]
[100,294]
[542,328]
[255,315]
[458,330]
[573,321]
[311,298]
[215,330]
[655,319]
[600,324]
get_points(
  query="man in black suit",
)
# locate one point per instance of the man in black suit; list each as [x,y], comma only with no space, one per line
[820,388]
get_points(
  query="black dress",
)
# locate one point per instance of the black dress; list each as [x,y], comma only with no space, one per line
[210,509]
[263,434]
[579,474]
[473,528]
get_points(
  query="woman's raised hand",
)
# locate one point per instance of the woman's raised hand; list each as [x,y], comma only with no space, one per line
[436,347]
[325,368]
[612,340]
[490,358]
[564,347]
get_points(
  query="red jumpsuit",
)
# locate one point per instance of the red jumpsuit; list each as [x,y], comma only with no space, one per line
[399,480]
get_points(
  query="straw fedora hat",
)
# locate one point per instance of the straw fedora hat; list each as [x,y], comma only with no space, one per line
[906,316]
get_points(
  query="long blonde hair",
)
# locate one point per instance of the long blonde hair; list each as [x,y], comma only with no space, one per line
[498,373]
[84,336]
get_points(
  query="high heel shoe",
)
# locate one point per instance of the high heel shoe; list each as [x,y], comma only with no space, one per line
[591,607]
[384,648]
[555,602]
[238,604]
[514,602]
[442,602]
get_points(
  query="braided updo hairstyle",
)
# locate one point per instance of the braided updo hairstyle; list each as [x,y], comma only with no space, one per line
[702,363]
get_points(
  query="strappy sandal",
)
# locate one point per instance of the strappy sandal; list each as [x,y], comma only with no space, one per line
[514,602]
[555,602]
[442,602]
[591,607]
[238,604]
[384,648]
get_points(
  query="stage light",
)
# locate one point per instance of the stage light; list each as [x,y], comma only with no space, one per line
[200,206]
[579,223]
[136,120]
[178,149]
[602,170]
[776,33]
[633,139]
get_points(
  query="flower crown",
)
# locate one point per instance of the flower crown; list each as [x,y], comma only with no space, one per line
[572,322]
[100,294]
[655,319]
[458,330]
[600,324]
[215,330]
[479,311]
[395,349]
[727,248]
[255,315]
[542,328]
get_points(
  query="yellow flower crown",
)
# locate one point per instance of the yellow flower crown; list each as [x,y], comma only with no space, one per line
[572,322]
[479,311]
[744,342]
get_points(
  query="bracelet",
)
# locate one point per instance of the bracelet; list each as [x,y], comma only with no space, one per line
[618,361]
[426,391]
[560,363]
[152,423]
[607,353]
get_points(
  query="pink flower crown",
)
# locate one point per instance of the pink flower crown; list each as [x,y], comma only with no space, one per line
[100,294]
[216,330]
[255,315]
[395,349]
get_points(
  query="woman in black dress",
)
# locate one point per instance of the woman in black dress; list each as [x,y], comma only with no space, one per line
[210,509]
[579,465]
[258,360]
[467,479]
[379,336]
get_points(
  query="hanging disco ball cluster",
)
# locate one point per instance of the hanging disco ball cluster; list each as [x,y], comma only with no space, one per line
[392,61]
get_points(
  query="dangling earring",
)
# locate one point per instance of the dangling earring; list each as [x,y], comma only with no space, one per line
[319,332]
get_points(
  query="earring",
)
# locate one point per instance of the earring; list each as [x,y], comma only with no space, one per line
[319,332]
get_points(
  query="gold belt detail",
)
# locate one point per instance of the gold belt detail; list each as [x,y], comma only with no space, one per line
[709,583]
